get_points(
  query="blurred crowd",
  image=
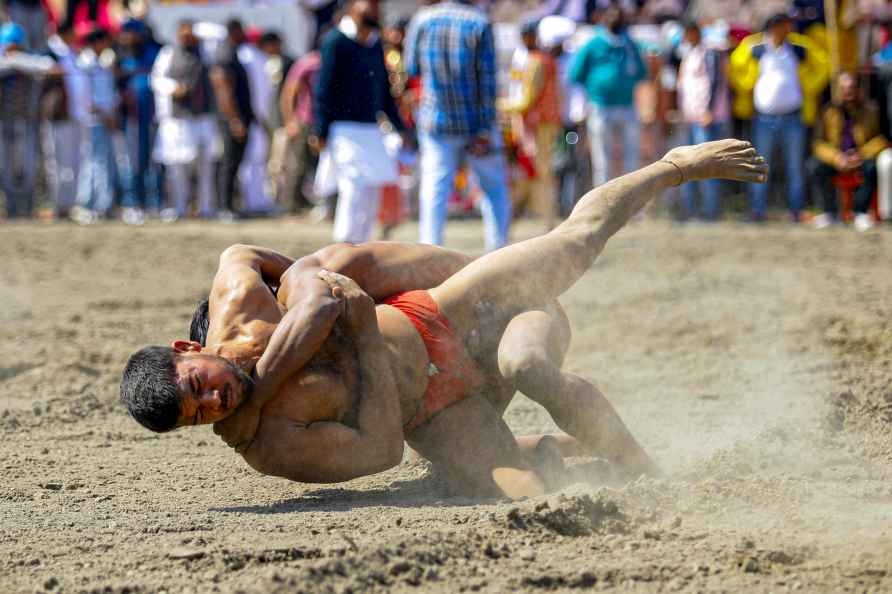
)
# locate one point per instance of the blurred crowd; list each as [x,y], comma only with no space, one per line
[443,114]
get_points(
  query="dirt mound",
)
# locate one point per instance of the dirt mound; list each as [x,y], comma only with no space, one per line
[569,515]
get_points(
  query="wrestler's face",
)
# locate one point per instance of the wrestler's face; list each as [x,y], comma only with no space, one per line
[210,387]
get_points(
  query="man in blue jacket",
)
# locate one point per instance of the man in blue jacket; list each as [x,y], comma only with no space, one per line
[609,66]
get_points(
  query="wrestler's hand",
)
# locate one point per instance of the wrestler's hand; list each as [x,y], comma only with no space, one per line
[358,314]
[239,428]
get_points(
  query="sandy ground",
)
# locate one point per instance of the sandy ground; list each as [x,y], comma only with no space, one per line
[753,363]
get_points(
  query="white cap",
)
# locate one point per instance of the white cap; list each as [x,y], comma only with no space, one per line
[554,31]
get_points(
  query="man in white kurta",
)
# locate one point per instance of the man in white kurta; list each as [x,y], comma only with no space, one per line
[187,129]
[353,91]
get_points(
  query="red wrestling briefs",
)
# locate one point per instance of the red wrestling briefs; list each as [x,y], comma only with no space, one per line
[452,375]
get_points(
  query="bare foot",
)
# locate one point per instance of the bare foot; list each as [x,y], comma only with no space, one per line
[722,159]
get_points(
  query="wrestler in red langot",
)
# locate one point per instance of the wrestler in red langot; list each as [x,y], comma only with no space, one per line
[319,384]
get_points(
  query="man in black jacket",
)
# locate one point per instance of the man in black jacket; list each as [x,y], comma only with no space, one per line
[353,89]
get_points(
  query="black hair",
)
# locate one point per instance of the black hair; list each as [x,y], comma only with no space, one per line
[269,37]
[691,24]
[149,389]
[96,35]
[234,25]
[198,329]
[777,18]
[64,28]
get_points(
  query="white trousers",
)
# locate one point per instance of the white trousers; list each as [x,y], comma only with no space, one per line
[187,145]
[179,178]
[357,163]
[357,210]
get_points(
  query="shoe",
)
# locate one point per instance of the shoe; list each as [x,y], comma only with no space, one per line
[319,213]
[226,216]
[133,216]
[169,215]
[83,216]
[863,222]
[822,221]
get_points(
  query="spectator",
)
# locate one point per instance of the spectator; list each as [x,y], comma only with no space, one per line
[393,204]
[610,67]
[232,92]
[847,140]
[394,38]
[96,183]
[450,46]
[142,180]
[784,72]
[297,113]
[704,100]
[187,129]
[353,89]
[537,121]
[277,66]
[21,76]
[554,32]
[253,173]
[31,16]
[61,146]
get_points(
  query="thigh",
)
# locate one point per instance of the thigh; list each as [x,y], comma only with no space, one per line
[467,443]
[526,275]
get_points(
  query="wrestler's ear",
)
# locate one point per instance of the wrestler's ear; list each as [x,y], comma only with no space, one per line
[185,346]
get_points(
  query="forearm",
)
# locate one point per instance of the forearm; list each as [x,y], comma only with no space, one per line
[620,199]
[383,269]
[287,101]
[223,94]
[295,341]
[379,420]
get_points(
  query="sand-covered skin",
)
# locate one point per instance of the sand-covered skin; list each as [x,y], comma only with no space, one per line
[752,362]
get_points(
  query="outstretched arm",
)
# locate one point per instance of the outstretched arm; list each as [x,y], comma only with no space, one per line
[326,452]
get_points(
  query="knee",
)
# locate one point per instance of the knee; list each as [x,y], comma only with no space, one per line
[525,365]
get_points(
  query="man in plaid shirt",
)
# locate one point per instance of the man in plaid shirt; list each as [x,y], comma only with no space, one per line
[450,46]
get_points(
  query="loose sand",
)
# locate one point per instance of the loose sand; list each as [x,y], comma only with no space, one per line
[752,362]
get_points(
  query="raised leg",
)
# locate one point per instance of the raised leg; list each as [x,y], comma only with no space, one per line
[532,273]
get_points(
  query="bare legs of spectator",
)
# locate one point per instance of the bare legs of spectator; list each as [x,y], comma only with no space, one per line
[18,165]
